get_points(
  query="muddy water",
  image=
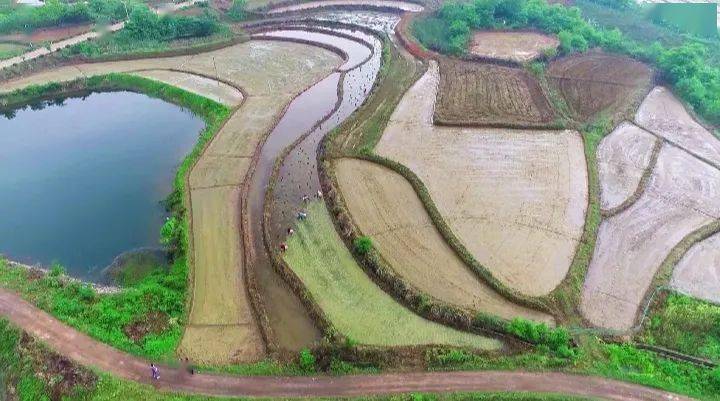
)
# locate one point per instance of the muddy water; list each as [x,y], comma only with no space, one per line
[81,180]
[291,324]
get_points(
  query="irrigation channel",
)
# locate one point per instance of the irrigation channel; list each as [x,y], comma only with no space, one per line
[307,120]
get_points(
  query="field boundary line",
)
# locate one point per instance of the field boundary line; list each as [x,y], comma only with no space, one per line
[642,185]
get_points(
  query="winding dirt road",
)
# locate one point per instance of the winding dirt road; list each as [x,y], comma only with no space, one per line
[86,351]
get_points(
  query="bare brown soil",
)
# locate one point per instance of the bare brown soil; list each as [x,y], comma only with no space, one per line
[516,199]
[48,34]
[593,83]
[88,352]
[698,272]
[152,323]
[683,195]
[623,157]
[486,94]
[385,206]
[512,46]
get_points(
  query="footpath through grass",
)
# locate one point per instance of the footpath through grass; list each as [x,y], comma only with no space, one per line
[356,306]
[145,318]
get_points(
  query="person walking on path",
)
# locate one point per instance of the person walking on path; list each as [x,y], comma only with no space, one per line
[155,371]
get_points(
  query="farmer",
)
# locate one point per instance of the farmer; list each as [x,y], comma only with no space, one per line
[291,231]
[319,194]
[155,372]
[283,247]
[302,215]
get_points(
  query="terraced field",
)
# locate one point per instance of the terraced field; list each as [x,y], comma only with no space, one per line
[210,88]
[491,95]
[516,199]
[683,195]
[356,306]
[664,115]
[698,272]
[515,46]
[595,84]
[385,206]
[623,158]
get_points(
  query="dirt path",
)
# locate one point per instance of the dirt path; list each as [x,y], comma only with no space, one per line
[83,37]
[89,352]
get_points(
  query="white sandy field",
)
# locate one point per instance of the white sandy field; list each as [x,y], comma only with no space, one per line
[623,157]
[515,198]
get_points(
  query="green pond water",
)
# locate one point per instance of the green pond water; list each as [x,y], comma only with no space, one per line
[82,179]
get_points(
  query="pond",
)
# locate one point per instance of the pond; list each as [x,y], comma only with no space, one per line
[82,179]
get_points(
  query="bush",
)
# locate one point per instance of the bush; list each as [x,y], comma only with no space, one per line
[307,361]
[237,11]
[363,245]
[686,67]
[555,340]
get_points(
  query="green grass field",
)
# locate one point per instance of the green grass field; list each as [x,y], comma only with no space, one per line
[8,50]
[687,325]
[357,307]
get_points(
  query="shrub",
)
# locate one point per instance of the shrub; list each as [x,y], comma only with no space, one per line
[555,340]
[363,245]
[307,361]
[237,11]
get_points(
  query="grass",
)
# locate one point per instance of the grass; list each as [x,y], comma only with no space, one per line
[617,361]
[685,324]
[355,305]
[106,317]
[9,50]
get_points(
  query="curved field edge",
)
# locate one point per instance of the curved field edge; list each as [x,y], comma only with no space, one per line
[355,305]
[357,137]
[22,357]
[104,316]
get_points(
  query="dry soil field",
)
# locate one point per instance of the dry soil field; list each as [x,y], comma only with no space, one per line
[664,115]
[516,199]
[698,272]
[513,46]
[683,194]
[210,88]
[385,207]
[623,157]
[486,94]
[221,328]
[594,84]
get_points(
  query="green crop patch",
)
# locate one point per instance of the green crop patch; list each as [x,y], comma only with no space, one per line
[355,305]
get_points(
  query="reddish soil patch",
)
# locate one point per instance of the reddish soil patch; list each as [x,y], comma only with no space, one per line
[48,34]
[152,323]
[597,83]
[490,95]
[60,374]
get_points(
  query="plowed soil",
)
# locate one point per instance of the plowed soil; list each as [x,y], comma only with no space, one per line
[664,115]
[513,46]
[683,195]
[623,157]
[491,95]
[698,272]
[516,199]
[594,84]
[385,206]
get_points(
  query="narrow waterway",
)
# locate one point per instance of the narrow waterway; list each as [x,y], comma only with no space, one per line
[289,319]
